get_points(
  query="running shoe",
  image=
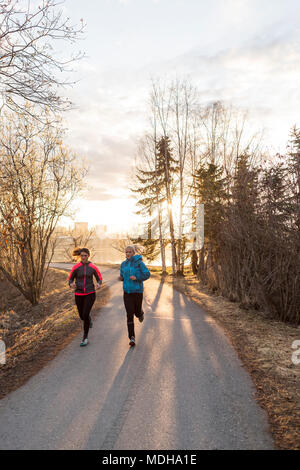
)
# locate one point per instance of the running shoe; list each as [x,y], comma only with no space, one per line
[84,342]
[132,341]
[141,318]
[91,322]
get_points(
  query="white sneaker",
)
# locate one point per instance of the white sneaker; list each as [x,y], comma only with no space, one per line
[132,341]
[84,342]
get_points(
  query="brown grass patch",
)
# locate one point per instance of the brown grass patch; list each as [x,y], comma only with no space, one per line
[264,346]
[33,335]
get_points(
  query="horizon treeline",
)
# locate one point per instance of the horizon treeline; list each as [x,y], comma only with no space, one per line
[195,154]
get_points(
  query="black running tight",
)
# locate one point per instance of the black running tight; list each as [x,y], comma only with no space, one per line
[84,305]
[133,306]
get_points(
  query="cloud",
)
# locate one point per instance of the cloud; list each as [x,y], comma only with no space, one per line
[96,194]
[260,73]
[262,76]
[109,159]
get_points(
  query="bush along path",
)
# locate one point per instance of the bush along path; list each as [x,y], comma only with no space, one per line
[264,345]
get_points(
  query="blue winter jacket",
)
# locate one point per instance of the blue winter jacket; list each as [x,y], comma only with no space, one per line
[134,267]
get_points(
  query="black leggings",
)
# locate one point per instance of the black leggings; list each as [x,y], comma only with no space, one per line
[133,306]
[84,305]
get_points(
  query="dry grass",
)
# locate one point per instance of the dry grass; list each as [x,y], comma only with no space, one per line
[264,346]
[34,335]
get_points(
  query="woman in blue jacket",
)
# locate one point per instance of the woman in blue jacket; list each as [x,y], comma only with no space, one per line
[133,272]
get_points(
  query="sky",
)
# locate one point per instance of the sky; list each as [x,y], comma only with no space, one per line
[244,52]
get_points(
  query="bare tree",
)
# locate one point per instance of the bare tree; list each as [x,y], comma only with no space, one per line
[184,97]
[121,244]
[227,135]
[29,67]
[159,198]
[39,179]
[81,239]
[194,161]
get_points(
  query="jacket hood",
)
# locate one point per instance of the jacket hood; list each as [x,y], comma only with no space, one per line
[136,257]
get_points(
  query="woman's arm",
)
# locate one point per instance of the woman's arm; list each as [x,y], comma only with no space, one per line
[121,277]
[97,275]
[144,272]
[72,276]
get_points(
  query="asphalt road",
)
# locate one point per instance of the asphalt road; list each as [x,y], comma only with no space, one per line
[181,387]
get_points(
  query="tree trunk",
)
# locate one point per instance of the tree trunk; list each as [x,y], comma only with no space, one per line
[180,263]
[194,261]
[162,245]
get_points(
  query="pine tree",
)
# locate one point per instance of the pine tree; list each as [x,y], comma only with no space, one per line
[167,169]
[148,189]
[294,171]
[151,189]
[210,191]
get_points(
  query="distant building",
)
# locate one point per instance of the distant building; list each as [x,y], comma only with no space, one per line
[101,231]
[81,227]
[59,231]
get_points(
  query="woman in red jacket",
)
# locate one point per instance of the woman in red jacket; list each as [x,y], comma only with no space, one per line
[85,294]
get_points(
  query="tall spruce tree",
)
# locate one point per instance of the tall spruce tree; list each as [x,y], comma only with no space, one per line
[168,168]
[151,197]
[151,191]
[294,171]
[210,191]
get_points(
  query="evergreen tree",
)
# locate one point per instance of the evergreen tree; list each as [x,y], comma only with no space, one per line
[152,189]
[294,172]
[167,169]
[149,190]
[210,191]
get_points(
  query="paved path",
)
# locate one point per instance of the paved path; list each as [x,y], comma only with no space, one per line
[181,387]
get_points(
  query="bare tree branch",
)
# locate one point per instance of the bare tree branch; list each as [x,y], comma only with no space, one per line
[29,67]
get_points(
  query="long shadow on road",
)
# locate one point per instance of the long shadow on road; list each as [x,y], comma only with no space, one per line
[120,399]
[220,411]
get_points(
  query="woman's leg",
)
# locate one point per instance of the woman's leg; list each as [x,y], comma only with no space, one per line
[87,306]
[138,300]
[79,300]
[130,308]
[79,303]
